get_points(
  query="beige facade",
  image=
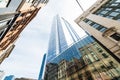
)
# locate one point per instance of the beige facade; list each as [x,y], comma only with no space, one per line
[105,13]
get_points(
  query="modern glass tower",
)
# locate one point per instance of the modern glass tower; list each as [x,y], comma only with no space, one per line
[42,68]
[57,42]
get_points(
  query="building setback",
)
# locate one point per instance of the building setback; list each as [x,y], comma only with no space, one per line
[102,21]
[14,17]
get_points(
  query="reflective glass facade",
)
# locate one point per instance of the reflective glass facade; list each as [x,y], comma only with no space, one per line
[57,42]
[110,10]
[72,51]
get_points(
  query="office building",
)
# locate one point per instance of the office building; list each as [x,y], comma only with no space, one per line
[102,21]
[10,77]
[14,17]
[40,77]
[57,41]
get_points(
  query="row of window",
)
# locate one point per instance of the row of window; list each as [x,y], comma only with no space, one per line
[115,36]
[95,25]
[110,10]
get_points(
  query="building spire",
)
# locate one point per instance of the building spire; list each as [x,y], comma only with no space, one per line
[75,37]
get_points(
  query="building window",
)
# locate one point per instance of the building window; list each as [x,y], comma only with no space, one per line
[114,5]
[118,1]
[95,25]
[110,10]
[118,10]
[114,14]
[104,55]
[104,12]
[116,36]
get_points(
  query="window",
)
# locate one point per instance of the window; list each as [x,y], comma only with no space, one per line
[103,30]
[118,1]
[114,4]
[114,14]
[116,36]
[100,50]
[118,10]
[104,12]
[95,25]
[99,28]
[110,10]
[104,55]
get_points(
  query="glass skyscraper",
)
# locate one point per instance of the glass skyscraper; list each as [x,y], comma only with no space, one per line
[57,42]
[58,45]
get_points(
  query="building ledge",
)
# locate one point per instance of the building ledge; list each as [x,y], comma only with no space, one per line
[109,31]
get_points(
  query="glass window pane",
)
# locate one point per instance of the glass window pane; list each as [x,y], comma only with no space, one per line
[103,29]
[118,1]
[116,36]
[114,4]
[104,12]
[117,10]
[114,14]
[108,9]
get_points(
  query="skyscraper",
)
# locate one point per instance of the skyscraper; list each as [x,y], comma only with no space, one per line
[42,67]
[10,77]
[102,21]
[57,42]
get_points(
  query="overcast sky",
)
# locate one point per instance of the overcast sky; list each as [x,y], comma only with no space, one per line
[26,58]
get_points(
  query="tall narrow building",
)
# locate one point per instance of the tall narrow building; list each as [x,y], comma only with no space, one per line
[42,67]
[102,21]
[57,42]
